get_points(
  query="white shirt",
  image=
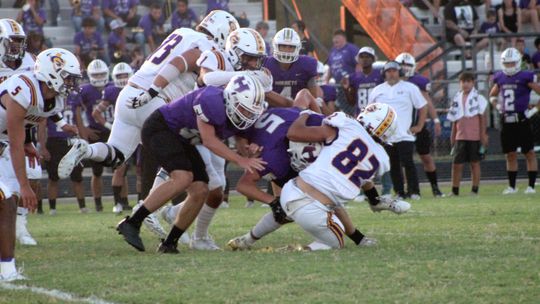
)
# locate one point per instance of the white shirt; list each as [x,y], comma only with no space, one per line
[346,163]
[404,97]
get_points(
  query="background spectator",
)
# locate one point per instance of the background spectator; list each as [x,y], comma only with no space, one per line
[342,62]
[529,13]
[55,11]
[536,56]
[509,18]
[217,5]
[137,59]
[243,20]
[152,25]
[183,16]
[307,47]
[32,17]
[116,43]
[526,62]
[35,43]
[490,26]
[262,28]
[121,9]
[89,44]
[87,9]
[461,21]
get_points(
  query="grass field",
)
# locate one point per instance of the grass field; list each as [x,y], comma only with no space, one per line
[466,249]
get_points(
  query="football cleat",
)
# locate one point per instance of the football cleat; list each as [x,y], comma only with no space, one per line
[14,276]
[510,190]
[84,210]
[205,243]
[367,242]
[167,248]
[393,205]
[151,222]
[168,215]
[73,157]
[22,234]
[529,190]
[437,193]
[240,243]
[130,234]
[117,209]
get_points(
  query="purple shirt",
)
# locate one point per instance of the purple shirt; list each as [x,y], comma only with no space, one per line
[30,25]
[110,94]
[206,103]
[120,7]
[489,28]
[364,84]
[329,93]
[188,19]
[87,44]
[113,41]
[91,96]
[421,82]
[290,82]
[270,132]
[217,5]
[524,3]
[342,61]
[536,60]
[72,102]
[87,7]
[149,25]
[514,92]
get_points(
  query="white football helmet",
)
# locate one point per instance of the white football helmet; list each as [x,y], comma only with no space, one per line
[121,74]
[286,36]
[245,41]
[59,69]
[511,55]
[12,40]
[408,64]
[219,24]
[379,120]
[98,73]
[244,101]
[303,154]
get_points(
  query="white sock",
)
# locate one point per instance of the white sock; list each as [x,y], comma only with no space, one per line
[99,151]
[266,225]
[7,268]
[22,211]
[203,221]
[174,210]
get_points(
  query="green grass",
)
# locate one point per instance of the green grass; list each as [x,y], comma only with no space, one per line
[483,249]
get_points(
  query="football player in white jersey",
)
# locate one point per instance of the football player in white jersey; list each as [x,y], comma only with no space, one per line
[27,100]
[244,51]
[167,74]
[14,60]
[314,200]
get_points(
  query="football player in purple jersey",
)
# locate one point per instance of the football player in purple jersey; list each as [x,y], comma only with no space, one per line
[208,115]
[423,138]
[511,94]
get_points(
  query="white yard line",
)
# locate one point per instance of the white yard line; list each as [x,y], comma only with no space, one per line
[54,293]
[486,235]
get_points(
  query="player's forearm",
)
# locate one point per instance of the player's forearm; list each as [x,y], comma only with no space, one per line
[276,100]
[249,188]
[16,149]
[218,147]
[219,78]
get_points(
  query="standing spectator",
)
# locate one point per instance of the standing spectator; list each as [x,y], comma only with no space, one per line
[89,44]
[342,62]
[32,17]
[121,9]
[404,97]
[153,32]
[243,20]
[217,5]
[469,139]
[137,59]
[262,28]
[183,16]
[55,11]
[307,47]
[529,12]
[116,43]
[511,95]
[461,21]
[526,61]
[490,26]
[36,43]
[509,18]
[536,56]
[83,9]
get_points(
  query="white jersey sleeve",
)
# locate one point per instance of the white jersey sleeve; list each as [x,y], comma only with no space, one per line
[212,60]
[337,120]
[21,89]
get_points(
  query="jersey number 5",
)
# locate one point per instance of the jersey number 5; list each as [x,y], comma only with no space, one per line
[347,162]
[165,48]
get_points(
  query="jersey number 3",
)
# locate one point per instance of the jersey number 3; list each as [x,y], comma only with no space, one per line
[347,162]
[165,48]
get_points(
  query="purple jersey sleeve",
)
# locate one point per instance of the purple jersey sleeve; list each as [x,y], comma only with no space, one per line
[53,131]
[111,93]
[421,82]
[536,60]
[329,93]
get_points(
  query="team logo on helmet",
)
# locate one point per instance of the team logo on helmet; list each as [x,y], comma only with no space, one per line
[57,61]
[232,26]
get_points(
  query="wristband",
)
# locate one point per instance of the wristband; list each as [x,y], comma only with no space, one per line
[61,123]
[153,91]
[493,99]
[108,125]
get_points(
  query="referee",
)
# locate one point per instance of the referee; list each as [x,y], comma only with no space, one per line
[404,97]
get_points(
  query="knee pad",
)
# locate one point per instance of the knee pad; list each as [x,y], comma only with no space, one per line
[115,161]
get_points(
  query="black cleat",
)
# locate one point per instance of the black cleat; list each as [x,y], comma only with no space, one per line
[130,234]
[167,248]
[99,208]
[437,193]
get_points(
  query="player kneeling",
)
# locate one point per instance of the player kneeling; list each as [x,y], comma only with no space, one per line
[314,200]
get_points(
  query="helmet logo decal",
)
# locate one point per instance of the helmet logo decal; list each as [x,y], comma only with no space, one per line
[241,84]
[232,26]
[57,61]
